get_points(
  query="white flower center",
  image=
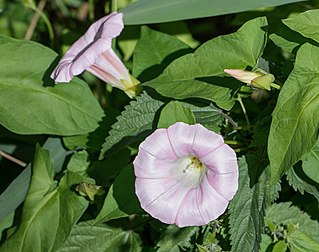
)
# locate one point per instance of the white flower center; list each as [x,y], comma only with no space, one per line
[190,171]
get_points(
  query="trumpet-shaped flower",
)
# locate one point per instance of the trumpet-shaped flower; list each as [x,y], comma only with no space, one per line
[185,174]
[93,52]
[259,79]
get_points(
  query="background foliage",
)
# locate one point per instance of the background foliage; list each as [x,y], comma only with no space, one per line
[71,186]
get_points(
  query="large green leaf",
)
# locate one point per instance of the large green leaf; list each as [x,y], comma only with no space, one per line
[154,11]
[174,112]
[49,211]
[101,238]
[310,163]
[29,104]
[294,125]
[137,118]
[154,51]
[199,74]
[306,23]
[20,185]
[121,199]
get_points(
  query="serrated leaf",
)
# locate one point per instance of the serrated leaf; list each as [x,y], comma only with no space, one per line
[294,126]
[310,163]
[302,242]
[300,182]
[121,199]
[47,205]
[284,213]
[38,107]
[153,11]
[209,116]
[174,238]
[247,211]
[174,112]
[154,51]
[137,118]
[195,75]
[306,23]
[88,238]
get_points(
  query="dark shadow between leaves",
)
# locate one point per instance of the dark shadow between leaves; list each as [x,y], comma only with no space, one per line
[46,79]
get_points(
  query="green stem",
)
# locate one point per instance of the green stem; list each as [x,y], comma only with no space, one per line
[244,111]
[91,10]
[233,142]
[276,86]
[114,9]
[114,6]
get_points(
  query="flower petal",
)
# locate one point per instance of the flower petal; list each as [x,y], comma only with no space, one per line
[160,197]
[156,168]
[200,206]
[225,184]
[221,160]
[159,145]
[181,136]
[84,51]
[206,141]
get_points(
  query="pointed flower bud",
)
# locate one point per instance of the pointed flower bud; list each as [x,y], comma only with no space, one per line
[185,174]
[93,52]
[257,79]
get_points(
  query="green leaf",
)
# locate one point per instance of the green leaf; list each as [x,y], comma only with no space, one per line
[121,199]
[310,163]
[299,181]
[154,51]
[294,126]
[49,212]
[152,11]
[29,101]
[284,213]
[95,139]
[209,116]
[137,118]
[306,23]
[88,238]
[175,238]
[174,112]
[247,211]
[302,242]
[20,185]
[195,75]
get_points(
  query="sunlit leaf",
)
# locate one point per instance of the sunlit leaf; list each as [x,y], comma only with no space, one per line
[294,125]
[30,103]
[198,74]
[152,11]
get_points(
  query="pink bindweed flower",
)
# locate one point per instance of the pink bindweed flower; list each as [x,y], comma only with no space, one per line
[93,52]
[185,174]
[258,79]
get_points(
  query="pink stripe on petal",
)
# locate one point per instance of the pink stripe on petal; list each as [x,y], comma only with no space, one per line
[188,213]
[160,198]
[225,184]
[159,145]
[221,160]
[157,168]
[210,203]
[206,141]
[181,137]
[105,76]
